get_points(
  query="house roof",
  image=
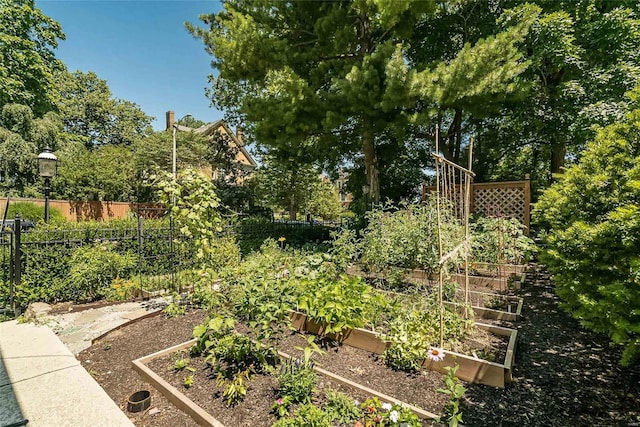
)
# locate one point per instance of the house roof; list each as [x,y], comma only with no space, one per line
[210,128]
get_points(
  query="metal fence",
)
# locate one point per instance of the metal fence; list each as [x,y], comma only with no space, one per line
[42,256]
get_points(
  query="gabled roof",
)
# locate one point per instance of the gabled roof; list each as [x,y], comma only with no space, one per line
[210,128]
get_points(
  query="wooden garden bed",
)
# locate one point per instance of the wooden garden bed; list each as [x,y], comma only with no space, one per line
[509,308]
[480,282]
[203,418]
[472,369]
[488,268]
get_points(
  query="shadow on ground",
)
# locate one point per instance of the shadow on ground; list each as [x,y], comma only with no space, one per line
[564,375]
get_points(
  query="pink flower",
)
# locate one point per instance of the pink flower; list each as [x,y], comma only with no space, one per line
[279,401]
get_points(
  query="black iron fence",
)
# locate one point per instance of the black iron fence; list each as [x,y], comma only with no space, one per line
[36,263]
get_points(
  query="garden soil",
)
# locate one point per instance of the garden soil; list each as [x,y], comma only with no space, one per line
[563,375]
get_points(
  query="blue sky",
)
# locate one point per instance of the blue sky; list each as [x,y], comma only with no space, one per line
[142,49]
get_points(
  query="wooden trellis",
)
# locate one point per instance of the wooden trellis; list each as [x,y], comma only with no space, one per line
[453,193]
[513,198]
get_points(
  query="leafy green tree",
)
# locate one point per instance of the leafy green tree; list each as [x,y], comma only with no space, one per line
[22,137]
[230,177]
[285,184]
[478,67]
[191,122]
[27,61]
[324,201]
[309,70]
[106,173]
[592,221]
[88,109]
[338,75]
[583,57]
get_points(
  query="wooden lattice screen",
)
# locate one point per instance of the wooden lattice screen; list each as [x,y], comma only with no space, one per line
[510,199]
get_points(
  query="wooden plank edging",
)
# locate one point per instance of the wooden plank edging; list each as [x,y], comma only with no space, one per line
[203,418]
[471,369]
[145,316]
[178,399]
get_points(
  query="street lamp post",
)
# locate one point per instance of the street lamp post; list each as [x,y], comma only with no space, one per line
[47,166]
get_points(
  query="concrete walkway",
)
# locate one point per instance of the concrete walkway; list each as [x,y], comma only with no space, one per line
[42,382]
[77,329]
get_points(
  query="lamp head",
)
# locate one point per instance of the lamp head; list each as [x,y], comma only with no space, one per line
[47,162]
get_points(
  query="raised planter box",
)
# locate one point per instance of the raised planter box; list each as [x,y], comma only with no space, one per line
[472,369]
[492,282]
[203,418]
[513,313]
[491,268]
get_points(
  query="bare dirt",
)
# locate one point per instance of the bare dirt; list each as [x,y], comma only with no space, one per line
[563,375]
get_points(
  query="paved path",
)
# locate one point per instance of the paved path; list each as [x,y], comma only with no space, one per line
[42,382]
[77,329]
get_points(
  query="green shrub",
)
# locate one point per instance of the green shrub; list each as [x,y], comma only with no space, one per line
[47,251]
[297,381]
[33,212]
[416,328]
[252,232]
[225,253]
[341,408]
[500,240]
[341,304]
[306,416]
[93,269]
[591,225]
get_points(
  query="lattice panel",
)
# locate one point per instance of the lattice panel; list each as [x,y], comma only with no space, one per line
[500,201]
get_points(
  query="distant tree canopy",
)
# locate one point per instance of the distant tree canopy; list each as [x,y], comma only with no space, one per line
[89,110]
[526,79]
[22,137]
[27,61]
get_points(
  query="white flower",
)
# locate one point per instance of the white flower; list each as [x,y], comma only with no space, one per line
[216,287]
[394,416]
[386,406]
[356,402]
[436,354]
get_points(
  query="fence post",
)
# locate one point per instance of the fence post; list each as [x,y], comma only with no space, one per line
[140,251]
[16,262]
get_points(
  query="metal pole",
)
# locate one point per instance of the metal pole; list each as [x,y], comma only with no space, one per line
[17,261]
[174,154]
[47,193]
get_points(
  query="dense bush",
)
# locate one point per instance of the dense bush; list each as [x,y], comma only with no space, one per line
[47,253]
[33,212]
[591,218]
[251,232]
[93,269]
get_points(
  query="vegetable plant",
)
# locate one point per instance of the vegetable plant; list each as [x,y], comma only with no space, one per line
[455,390]
[338,305]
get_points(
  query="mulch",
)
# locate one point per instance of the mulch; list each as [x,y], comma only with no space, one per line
[564,375]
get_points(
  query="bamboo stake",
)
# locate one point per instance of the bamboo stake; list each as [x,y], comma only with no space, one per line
[467,207]
[440,284]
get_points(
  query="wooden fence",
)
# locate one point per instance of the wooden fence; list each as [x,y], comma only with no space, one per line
[85,211]
[511,199]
